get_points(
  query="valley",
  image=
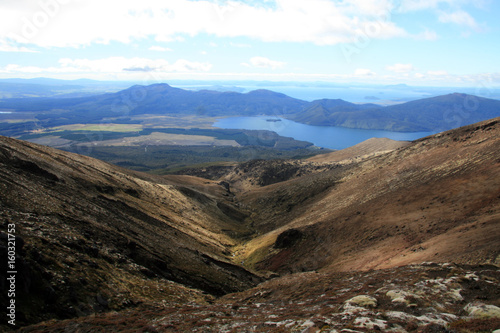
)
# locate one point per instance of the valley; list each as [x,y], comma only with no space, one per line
[273,166]
[399,236]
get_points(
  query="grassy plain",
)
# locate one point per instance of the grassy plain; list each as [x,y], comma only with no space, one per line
[105,127]
[159,143]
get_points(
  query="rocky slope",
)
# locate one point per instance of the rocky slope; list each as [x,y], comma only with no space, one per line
[88,233]
[341,240]
[429,297]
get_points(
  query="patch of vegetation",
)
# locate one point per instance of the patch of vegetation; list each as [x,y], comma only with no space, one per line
[170,159]
[475,325]
[100,127]
[164,158]
[244,137]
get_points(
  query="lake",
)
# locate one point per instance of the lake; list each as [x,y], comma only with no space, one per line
[321,136]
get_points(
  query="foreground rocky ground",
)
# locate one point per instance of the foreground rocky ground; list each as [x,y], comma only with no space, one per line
[429,297]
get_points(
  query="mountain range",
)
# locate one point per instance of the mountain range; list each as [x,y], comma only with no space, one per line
[389,237]
[430,114]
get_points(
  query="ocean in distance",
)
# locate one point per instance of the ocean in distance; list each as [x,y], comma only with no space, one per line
[321,136]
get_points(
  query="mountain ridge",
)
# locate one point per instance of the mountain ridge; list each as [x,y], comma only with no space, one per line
[429,114]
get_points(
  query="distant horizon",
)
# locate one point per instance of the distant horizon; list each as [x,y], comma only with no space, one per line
[354,92]
[250,80]
[422,43]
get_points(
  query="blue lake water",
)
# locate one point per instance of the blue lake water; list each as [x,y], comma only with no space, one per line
[321,136]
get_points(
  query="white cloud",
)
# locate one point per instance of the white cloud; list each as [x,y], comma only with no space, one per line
[13,68]
[262,62]
[401,68]
[459,17]
[120,64]
[114,65]
[188,66]
[240,45]
[416,5]
[427,35]
[73,69]
[370,7]
[360,72]
[438,73]
[159,48]
[447,11]
[74,23]
[7,47]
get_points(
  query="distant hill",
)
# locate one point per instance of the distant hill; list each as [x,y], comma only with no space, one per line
[445,112]
[429,114]
[160,99]
[330,112]
[46,87]
[424,115]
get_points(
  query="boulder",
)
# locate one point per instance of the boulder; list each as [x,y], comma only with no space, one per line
[364,301]
[482,311]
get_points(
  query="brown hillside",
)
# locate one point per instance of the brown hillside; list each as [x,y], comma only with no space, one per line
[364,149]
[438,199]
[88,233]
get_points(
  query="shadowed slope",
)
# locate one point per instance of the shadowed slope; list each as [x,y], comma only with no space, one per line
[87,229]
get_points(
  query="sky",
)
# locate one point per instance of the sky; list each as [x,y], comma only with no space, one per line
[415,42]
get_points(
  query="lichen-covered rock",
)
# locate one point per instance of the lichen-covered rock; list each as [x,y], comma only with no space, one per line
[398,296]
[482,311]
[364,301]
[369,323]
[429,318]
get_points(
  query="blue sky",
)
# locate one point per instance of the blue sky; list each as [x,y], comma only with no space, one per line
[417,42]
